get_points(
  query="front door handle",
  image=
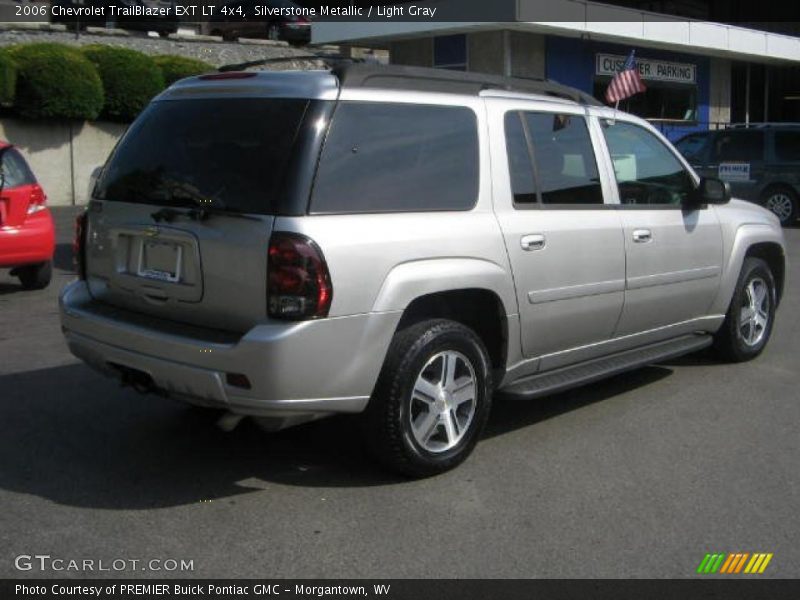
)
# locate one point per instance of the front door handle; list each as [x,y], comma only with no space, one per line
[642,236]
[534,241]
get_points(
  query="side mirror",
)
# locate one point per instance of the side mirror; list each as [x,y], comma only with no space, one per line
[713,191]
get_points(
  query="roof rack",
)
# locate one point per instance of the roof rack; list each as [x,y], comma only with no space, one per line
[425,79]
[355,73]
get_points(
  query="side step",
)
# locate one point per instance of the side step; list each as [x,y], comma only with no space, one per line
[551,382]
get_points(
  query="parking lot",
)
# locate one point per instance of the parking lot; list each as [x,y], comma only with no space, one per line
[638,476]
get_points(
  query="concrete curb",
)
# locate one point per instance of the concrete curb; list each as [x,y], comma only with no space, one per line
[259,42]
[182,37]
[108,31]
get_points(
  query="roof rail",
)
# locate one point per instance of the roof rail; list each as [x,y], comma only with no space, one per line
[455,82]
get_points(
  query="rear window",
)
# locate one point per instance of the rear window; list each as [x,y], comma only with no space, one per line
[382,157]
[225,153]
[787,145]
[14,168]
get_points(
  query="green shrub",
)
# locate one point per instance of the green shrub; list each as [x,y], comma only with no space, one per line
[55,81]
[174,68]
[8,79]
[130,79]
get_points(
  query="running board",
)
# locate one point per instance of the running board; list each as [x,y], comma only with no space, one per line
[551,382]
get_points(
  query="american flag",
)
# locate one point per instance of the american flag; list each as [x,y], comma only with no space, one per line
[626,82]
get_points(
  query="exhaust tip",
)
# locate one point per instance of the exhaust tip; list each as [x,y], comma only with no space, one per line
[229,421]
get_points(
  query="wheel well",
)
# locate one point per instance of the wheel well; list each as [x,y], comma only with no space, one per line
[479,309]
[772,254]
[772,187]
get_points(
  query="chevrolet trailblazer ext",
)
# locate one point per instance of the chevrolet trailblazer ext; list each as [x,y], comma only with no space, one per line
[405,243]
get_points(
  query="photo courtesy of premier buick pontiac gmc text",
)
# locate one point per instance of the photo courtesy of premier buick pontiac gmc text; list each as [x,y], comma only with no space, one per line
[406,244]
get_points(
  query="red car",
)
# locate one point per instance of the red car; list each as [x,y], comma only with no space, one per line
[27,234]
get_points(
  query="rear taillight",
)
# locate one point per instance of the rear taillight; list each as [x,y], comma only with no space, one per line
[298,281]
[79,245]
[37,201]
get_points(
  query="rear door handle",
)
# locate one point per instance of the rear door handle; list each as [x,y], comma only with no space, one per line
[642,236]
[534,241]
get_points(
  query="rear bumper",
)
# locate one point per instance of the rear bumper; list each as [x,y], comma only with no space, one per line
[306,368]
[30,243]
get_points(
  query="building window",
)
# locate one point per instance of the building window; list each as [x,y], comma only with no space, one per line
[450,52]
[661,102]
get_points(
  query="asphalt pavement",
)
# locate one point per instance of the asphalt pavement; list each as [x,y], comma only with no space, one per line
[637,476]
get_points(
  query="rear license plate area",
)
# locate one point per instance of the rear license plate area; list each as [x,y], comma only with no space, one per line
[160,261]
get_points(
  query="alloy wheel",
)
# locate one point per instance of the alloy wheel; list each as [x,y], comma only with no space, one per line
[443,401]
[781,205]
[754,313]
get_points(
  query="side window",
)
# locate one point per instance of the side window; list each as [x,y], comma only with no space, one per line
[691,146]
[647,171]
[520,163]
[15,169]
[384,157]
[563,162]
[738,146]
[787,146]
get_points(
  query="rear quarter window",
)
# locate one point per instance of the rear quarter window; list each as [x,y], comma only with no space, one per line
[787,146]
[387,157]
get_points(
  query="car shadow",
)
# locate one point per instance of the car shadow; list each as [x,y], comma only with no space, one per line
[78,439]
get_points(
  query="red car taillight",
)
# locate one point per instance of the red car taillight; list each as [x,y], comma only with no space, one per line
[37,200]
[298,281]
[79,245]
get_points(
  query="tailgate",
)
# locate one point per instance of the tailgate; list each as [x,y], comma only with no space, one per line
[206,272]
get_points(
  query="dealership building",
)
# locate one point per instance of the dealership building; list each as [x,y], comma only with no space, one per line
[699,73]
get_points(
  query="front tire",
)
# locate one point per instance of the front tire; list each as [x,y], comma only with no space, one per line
[748,324]
[782,202]
[432,399]
[36,277]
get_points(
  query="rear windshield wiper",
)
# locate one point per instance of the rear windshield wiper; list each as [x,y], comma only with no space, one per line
[198,214]
[205,207]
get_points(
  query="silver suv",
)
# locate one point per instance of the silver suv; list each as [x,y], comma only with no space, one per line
[406,244]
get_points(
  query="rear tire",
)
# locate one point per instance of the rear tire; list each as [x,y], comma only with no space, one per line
[432,399]
[35,277]
[748,324]
[782,202]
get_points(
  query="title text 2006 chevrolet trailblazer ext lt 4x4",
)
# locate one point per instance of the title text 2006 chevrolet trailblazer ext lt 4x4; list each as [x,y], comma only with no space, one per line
[405,243]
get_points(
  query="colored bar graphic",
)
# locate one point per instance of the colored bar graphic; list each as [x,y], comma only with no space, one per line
[703,563]
[726,565]
[765,563]
[734,563]
[741,562]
